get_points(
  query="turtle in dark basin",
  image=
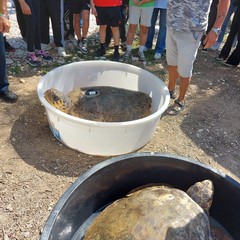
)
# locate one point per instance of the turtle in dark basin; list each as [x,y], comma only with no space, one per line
[157,213]
[104,104]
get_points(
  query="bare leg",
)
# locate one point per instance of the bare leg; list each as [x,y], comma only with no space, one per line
[143,35]
[173,76]
[85,26]
[116,35]
[131,33]
[184,84]
[76,25]
[102,33]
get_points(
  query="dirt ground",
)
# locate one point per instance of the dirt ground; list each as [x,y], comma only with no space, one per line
[35,168]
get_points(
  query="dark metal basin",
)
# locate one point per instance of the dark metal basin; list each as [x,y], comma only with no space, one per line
[115,177]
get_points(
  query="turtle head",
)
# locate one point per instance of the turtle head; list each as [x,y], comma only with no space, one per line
[57,99]
[202,194]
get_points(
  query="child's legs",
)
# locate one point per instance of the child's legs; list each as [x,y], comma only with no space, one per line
[102,33]
[151,30]
[36,6]
[85,26]
[45,38]
[76,24]
[145,22]
[143,35]
[33,23]
[116,35]
[56,11]
[132,28]
[75,8]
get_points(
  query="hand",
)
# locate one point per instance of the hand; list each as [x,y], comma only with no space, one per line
[25,8]
[210,39]
[4,25]
[138,2]
[94,11]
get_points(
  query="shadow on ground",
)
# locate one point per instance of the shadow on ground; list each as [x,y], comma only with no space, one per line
[213,123]
[35,144]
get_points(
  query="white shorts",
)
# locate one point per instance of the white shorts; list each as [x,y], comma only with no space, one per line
[140,15]
[181,50]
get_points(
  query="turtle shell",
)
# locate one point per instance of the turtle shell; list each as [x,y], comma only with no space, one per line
[153,213]
[109,104]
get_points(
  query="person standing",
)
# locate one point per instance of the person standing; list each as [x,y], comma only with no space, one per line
[54,10]
[140,12]
[20,19]
[186,23]
[81,11]
[31,11]
[5,93]
[107,12]
[122,27]
[160,8]
[232,59]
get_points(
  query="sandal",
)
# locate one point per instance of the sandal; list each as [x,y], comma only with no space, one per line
[176,108]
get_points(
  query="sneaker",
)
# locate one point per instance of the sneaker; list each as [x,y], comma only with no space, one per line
[220,58]
[83,47]
[116,57]
[230,64]
[127,57]
[9,96]
[32,60]
[204,50]
[61,52]
[100,54]
[157,56]
[141,56]
[43,55]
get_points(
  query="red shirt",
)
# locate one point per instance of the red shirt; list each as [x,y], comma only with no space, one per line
[107,3]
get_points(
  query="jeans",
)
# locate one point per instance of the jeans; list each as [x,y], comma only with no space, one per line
[161,38]
[3,67]
[231,10]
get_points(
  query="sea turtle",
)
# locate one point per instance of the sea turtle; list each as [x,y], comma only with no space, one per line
[157,213]
[104,104]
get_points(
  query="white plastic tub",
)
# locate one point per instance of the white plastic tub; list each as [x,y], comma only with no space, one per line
[101,138]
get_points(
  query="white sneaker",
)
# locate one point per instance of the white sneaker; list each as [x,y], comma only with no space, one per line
[157,56]
[46,47]
[61,52]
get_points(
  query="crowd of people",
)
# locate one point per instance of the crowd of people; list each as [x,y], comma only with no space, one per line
[182,30]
